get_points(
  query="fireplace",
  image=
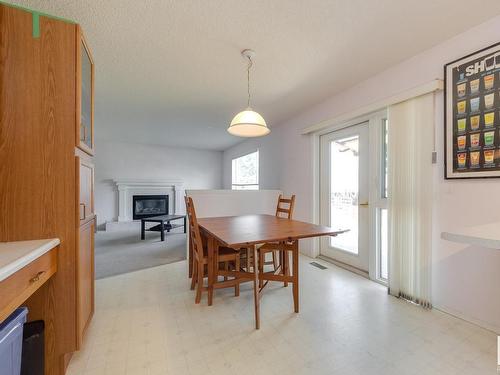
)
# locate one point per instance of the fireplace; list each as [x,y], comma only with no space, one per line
[149,205]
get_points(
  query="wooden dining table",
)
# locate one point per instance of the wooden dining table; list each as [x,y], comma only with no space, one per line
[247,231]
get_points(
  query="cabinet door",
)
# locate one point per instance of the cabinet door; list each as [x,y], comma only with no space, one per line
[85,95]
[86,189]
[85,278]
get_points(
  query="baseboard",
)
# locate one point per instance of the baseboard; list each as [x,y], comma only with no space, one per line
[345,266]
[480,323]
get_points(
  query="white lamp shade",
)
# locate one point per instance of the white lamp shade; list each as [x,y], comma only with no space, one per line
[248,123]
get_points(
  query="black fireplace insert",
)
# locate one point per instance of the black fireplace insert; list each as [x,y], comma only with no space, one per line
[149,205]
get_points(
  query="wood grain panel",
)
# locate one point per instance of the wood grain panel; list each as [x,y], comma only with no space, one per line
[85,182]
[37,172]
[85,278]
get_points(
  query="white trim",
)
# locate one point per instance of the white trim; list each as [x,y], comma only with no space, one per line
[315,209]
[345,266]
[128,187]
[434,85]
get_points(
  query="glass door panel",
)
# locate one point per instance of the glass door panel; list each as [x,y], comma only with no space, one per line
[344,194]
[344,191]
[86,98]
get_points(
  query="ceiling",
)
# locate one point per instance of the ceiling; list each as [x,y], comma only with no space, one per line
[170,72]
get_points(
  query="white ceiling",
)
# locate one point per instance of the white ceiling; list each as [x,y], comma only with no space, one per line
[170,72]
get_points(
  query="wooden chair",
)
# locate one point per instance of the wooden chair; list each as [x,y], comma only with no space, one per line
[284,209]
[226,256]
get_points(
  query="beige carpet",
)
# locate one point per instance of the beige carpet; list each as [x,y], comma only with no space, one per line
[123,251]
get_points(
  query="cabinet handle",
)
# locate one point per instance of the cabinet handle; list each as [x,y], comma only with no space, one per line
[35,278]
[84,215]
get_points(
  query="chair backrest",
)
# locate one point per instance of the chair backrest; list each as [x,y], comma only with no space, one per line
[194,229]
[285,207]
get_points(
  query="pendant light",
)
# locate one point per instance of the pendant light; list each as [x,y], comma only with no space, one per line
[248,123]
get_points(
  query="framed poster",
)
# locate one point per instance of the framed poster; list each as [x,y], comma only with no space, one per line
[472,115]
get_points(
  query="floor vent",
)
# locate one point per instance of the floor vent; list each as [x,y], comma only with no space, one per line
[320,266]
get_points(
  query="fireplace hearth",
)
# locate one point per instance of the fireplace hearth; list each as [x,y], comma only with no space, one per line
[149,205]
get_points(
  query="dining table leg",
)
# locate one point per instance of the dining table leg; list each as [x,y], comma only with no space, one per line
[286,264]
[210,266]
[162,232]
[256,292]
[295,257]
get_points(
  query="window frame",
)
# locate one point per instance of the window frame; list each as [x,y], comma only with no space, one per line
[383,159]
[381,203]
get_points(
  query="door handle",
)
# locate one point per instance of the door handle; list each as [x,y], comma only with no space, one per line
[36,278]
[363,204]
[84,215]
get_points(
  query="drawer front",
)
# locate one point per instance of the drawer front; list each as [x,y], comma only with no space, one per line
[18,287]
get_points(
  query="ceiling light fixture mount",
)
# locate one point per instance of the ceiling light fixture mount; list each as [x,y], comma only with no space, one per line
[248,123]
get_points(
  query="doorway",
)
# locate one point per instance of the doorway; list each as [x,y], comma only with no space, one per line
[353,195]
[344,194]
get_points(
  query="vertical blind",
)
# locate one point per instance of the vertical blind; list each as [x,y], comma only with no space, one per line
[410,146]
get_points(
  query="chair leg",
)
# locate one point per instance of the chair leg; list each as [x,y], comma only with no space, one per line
[199,287]
[295,256]
[262,257]
[286,261]
[275,265]
[194,276]
[237,269]
[280,255]
[249,259]
[256,290]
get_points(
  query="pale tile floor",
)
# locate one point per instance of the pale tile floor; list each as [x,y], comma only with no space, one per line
[146,322]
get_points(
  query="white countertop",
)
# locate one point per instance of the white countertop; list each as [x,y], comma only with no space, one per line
[486,235]
[16,255]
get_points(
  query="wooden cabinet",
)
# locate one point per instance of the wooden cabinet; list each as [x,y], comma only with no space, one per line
[85,184]
[47,75]
[84,94]
[85,277]
[85,180]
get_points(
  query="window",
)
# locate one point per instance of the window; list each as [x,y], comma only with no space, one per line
[382,221]
[245,172]
[383,258]
[384,158]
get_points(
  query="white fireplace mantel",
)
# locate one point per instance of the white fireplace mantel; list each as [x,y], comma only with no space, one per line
[127,188]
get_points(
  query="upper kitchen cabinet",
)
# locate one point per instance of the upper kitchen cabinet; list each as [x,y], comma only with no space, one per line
[84,94]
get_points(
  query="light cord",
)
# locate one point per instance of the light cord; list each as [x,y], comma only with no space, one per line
[250,63]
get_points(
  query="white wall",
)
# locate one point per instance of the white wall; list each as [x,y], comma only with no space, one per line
[197,169]
[269,160]
[466,279]
[213,203]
